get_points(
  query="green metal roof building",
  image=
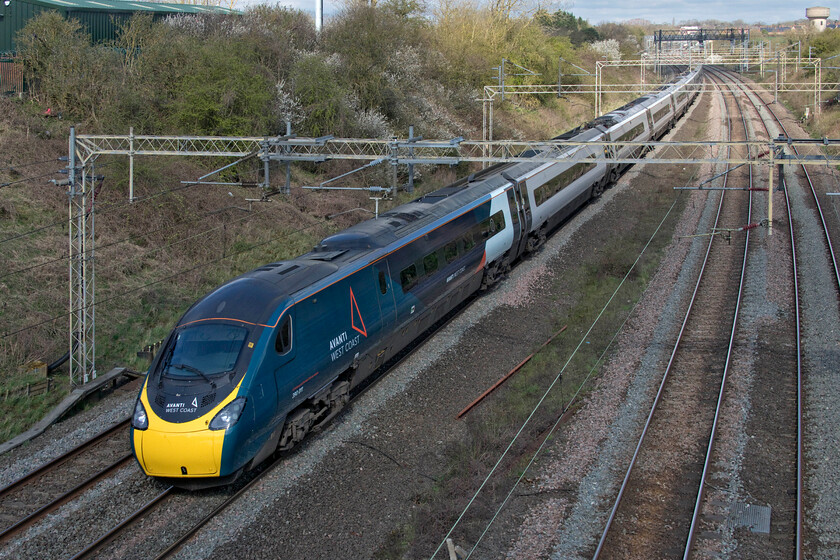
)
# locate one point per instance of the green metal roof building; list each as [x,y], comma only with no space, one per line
[99,17]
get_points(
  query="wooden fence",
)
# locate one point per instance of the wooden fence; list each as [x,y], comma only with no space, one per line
[11,77]
[31,389]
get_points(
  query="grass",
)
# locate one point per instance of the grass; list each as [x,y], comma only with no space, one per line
[154,258]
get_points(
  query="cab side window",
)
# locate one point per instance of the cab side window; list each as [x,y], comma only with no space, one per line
[408,277]
[284,337]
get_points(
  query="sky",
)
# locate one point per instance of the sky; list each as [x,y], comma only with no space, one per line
[657,11]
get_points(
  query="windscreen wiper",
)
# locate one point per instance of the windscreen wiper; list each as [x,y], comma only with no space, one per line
[194,370]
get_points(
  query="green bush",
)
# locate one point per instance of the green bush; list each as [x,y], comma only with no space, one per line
[321,95]
[222,92]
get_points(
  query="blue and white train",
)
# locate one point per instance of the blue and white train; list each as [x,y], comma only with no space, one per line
[260,361]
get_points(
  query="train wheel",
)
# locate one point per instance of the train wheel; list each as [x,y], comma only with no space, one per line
[492,275]
[598,189]
[339,396]
[535,241]
[297,426]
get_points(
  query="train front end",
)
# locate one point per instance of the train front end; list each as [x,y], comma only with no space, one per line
[201,416]
[186,418]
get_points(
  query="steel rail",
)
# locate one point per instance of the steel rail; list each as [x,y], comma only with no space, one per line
[114,532]
[799,465]
[695,518]
[665,375]
[58,461]
[62,499]
[816,201]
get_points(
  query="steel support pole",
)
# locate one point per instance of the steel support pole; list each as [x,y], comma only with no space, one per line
[490,128]
[484,104]
[319,15]
[818,108]
[597,89]
[73,260]
[559,78]
[90,275]
[394,159]
[82,279]
[131,164]
[816,89]
[266,184]
[502,78]
[770,191]
[287,189]
[761,59]
[410,187]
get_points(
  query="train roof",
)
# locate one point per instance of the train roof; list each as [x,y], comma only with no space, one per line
[254,296]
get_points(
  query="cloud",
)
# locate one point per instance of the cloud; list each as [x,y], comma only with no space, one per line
[771,11]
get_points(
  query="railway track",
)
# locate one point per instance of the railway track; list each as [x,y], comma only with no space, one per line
[768,472]
[42,491]
[803,181]
[764,486]
[652,514]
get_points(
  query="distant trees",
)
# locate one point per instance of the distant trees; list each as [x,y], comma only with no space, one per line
[826,43]
[372,70]
[567,24]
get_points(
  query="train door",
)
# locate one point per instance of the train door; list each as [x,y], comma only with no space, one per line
[516,222]
[387,307]
[520,219]
[525,205]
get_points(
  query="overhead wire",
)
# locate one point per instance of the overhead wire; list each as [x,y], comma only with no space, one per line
[246,217]
[103,208]
[153,195]
[30,164]
[10,183]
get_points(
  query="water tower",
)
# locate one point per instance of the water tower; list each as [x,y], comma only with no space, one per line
[818,17]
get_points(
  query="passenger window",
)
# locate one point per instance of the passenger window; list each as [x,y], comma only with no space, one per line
[408,277]
[430,263]
[284,337]
[493,224]
[383,285]
[450,251]
[469,242]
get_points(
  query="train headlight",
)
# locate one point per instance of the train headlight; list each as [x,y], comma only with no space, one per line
[140,420]
[229,415]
